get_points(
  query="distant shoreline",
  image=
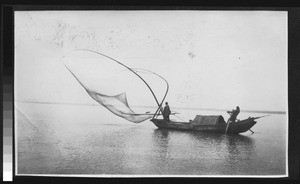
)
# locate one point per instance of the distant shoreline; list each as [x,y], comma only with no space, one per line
[186,108]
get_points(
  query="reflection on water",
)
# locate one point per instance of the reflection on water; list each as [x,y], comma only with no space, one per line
[228,150]
[234,144]
[65,144]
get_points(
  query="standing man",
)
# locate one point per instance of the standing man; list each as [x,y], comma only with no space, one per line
[166,112]
[234,114]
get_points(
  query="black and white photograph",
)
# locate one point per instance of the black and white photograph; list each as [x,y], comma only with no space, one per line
[156,93]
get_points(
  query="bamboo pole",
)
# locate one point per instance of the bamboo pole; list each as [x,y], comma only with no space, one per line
[132,70]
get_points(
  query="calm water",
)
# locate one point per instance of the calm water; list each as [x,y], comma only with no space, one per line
[68,139]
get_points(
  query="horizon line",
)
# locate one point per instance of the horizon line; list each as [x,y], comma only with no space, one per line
[190,108]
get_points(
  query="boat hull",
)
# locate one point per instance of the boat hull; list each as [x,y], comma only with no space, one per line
[233,128]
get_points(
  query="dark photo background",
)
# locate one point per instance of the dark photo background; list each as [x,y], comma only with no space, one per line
[7,74]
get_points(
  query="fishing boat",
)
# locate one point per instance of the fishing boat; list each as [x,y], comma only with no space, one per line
[215,124]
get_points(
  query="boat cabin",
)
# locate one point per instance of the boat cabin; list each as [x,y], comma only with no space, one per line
[208,120]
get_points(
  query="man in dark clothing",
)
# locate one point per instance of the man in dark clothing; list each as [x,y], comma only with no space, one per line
[234,114]
[166,112]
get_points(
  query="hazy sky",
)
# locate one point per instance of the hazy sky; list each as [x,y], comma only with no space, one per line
[211,59]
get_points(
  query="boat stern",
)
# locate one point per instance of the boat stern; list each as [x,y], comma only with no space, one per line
[241,126]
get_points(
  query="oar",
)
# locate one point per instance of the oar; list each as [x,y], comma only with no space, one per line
[178,117]
[227,125]
[261,116]
[257,118]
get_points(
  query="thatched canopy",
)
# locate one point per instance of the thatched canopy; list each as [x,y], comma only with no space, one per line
[208,120]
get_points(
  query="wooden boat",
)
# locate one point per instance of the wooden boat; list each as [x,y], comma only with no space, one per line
[215,124]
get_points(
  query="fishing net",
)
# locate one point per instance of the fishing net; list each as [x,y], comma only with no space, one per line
[108,82]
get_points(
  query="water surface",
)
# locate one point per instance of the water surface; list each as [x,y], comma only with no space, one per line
[76,139]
